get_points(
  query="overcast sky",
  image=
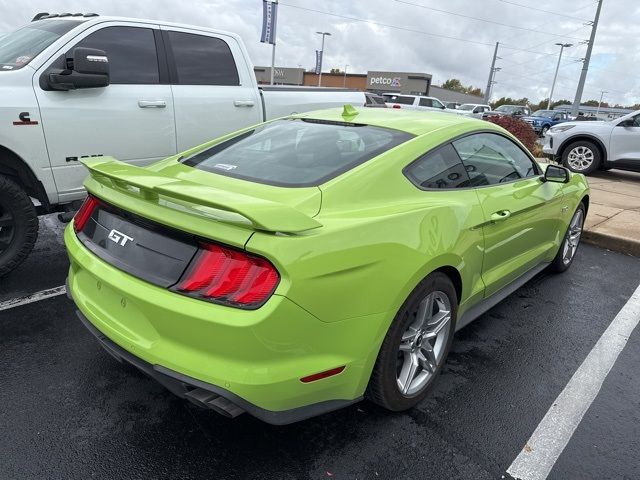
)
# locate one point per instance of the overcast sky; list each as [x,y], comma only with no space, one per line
[419,45]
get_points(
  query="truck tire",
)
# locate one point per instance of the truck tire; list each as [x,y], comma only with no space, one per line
[18,225]
[582,156]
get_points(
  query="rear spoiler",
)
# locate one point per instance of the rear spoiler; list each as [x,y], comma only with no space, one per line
[263,214]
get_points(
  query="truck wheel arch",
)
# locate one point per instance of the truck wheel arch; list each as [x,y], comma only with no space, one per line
[14,167]
[590,138]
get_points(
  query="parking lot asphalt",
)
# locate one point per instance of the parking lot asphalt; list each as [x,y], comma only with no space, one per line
[69,410]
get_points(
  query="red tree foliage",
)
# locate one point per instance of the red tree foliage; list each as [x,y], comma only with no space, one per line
[519,128]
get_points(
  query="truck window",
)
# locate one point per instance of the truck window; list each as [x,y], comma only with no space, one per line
[131,51]
[202,60]
[426,102]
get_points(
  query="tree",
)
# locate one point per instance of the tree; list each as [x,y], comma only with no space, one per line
[456,85]
[335,70]
[510,101]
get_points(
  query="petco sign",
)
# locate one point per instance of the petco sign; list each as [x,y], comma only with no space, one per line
[385,81]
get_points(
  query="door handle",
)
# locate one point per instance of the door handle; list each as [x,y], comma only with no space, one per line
[152,103]
[500,215]
[243,103]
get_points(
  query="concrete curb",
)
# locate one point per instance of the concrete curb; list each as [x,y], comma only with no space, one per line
[612,242]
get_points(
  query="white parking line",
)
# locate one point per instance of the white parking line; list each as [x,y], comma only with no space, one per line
[542,450]
[34,297]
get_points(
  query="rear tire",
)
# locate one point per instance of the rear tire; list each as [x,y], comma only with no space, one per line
[420,334]
[18,225]
[582,156]
[570,243]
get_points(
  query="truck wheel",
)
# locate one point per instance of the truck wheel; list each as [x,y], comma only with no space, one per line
[582,156]
[18,225]
[544,131]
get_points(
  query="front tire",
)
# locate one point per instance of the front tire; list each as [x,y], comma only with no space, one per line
[582,156]
[571,242]
[416,345]
[544,131]
[18,225]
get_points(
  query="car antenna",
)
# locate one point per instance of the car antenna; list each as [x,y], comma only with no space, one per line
[349,111]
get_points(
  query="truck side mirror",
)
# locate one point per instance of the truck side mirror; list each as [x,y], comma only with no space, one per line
[90,70]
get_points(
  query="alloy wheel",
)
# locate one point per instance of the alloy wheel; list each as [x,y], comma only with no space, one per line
[7,228]
[423,343]
[580,158]
[572,238]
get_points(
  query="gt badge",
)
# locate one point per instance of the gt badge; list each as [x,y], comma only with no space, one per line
[118,237]
[25,119]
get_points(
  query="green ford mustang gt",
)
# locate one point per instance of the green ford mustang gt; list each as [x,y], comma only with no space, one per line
[299,265]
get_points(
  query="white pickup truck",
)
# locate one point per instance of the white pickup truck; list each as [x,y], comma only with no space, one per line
[82,85]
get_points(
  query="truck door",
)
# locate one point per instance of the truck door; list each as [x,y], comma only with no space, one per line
[132,119]
[213,93]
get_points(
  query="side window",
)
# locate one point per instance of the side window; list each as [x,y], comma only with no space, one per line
[491,159]
[436,104]
[426,102]
[441,168]
[476,110]
[131,51]
[202,60]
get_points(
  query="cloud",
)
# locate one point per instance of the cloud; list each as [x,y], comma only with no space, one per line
[369,45]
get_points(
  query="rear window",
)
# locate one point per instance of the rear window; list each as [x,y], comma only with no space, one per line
[297,152]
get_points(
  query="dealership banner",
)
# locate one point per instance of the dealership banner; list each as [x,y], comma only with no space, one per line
[269,20]
[318,61]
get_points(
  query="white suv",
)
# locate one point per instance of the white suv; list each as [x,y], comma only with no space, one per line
[585,147]
[473,109]
[414,102]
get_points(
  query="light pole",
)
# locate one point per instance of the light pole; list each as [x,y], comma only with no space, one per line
[602,92]
[344,79]
[555,76]
[324,34]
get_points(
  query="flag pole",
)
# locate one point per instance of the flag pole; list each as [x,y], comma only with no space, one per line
[273,51]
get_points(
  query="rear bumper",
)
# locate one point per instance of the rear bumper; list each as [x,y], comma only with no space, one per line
[207,395]
[253,359]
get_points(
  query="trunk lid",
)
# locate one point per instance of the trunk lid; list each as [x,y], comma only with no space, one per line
[149,222]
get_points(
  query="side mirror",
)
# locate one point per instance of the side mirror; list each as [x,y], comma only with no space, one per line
[90,69]
[555,173]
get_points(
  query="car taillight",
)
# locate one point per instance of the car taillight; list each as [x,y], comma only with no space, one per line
[396,106]
[84,213]
[232,277]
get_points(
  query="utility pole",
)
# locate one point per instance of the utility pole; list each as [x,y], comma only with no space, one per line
[553,85]
[324,34]
[487,92]
[344,79]
[585,65]
[602,92]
